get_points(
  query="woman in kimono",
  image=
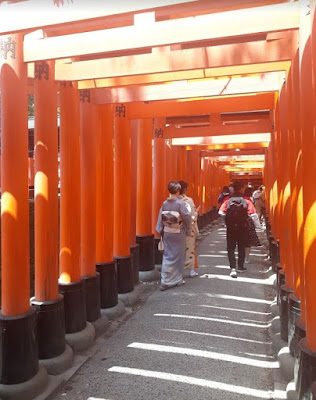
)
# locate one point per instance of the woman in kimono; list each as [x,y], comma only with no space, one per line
[190,257]
[174,224]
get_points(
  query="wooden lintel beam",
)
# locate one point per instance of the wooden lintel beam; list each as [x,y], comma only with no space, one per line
[231,153]
[183,30]
[248,57]
[15,16]
[230,146]
[218,130]
[256,101]
[269,82]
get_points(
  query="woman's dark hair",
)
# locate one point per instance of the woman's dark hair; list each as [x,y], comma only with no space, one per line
[225,190]
[174,187]
[248,192]
[183,185]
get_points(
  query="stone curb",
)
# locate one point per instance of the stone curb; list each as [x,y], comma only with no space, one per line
[130,299]
[80,341]
[58,365]
[27,390]
[114,312]
[149,276]
[101,325]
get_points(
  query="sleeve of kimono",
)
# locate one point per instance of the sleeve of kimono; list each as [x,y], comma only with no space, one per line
[194,213]
[159,226]
[186,216]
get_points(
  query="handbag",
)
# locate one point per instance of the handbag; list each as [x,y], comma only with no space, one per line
[161,246]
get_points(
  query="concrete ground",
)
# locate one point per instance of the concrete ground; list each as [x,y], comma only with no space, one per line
[205,340]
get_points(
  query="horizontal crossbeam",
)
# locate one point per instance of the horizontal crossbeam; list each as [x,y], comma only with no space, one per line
[228,24]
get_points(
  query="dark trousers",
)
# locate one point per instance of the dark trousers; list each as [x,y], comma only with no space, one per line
[238,238]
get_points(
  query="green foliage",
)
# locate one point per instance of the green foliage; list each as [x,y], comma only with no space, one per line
[31,105]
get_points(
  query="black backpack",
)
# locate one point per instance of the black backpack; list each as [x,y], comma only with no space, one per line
[236,214]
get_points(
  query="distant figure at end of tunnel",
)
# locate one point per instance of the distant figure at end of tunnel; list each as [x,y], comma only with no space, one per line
[174,224]
[235,210]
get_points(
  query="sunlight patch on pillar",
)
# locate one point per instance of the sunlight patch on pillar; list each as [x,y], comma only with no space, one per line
[41,185]
[9,205]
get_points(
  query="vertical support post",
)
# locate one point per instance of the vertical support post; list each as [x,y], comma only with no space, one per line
[159,183]
[122,200]
[47,301]
[88,150]
[105,263]
[70,283]
[135,126]
[144,236]
[18,345]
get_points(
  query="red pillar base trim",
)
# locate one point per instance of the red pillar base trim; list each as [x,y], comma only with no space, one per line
[108,284]
[75,306]
[146,252]
[135,261]
[18,348]
[50,327]
[125,274]
[294,312]
[306,371]
[92,297]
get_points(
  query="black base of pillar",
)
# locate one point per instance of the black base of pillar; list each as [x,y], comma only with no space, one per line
[313,390]
[50,327]
[146,252]
[75,306]
[294,314]
[92,297]
[270,240]
[306,370]
[135,261]
[284,316]
[158,254]
[274,254]
[280,282]
[299,334]
[125,274]
[108,284]
[199,222]
[19,353]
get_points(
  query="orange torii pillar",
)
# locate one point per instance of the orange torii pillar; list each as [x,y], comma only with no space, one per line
[285,227]
[307,346]
[70,283]
[167,167]
[89,128]
[135,126]
[182,163]
[48,302]
[105,263]
[19,358]
[296,306]
[122,200]
[144,235]
[159,182]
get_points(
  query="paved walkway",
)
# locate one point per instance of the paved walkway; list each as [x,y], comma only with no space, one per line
[205,340]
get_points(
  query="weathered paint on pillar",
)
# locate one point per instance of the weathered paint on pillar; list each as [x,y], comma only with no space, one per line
[144,178]
[46,183]
[285,132]
[88,135]
[307,100]
[105,186]
[135,126]
[122,182]
[15,279]
[158,171]
[69,184]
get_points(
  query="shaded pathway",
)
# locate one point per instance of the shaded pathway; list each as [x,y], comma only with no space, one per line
[206,340]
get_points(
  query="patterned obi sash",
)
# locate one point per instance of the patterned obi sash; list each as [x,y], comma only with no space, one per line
[171,221]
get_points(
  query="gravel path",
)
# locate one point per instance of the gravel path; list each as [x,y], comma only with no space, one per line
[205,340]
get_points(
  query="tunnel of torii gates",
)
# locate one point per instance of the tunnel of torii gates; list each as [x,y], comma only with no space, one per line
[146,94]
